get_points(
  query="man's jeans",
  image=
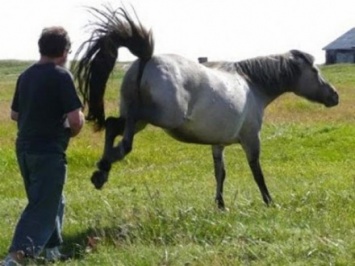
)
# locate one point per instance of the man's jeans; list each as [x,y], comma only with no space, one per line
[41,221]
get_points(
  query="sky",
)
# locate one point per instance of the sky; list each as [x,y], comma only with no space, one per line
[229,30]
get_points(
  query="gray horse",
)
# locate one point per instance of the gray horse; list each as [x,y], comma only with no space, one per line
[218,103]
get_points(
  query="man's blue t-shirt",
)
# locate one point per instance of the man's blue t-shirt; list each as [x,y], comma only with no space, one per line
[44,94]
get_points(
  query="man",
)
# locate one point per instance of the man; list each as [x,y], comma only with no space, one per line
[48,112]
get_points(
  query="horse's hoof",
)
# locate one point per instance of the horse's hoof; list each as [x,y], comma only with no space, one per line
[269,202]
[99,178]
[220,204]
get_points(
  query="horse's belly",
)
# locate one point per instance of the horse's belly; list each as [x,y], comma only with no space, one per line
[190,138]
[212,132]
[211,124]
[187,137]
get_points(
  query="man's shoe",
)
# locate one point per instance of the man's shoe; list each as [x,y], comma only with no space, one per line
[14,259]
[9,262]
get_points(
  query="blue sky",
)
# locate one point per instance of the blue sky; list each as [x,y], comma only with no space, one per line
[219,29]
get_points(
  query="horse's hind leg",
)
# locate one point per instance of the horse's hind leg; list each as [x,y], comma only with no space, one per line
[220,174]
[115,127]
[251,147]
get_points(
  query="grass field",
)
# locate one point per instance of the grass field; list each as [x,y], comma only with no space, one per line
[158,206]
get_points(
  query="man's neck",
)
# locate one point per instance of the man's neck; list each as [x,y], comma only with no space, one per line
[45,60]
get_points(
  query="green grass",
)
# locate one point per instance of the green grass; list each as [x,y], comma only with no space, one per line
[158,207]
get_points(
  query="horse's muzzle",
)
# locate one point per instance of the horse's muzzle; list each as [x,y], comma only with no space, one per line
[332,99]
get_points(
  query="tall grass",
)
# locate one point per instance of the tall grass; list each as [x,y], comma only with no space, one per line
[158,207]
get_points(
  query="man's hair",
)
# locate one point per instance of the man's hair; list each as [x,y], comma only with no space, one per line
[54,41]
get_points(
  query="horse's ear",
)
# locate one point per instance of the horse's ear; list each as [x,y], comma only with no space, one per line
[302,55]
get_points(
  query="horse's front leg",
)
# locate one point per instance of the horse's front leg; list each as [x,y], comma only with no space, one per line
[220,173]
[251,146]
[114,127]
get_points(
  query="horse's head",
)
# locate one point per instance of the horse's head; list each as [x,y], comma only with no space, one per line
[310,83]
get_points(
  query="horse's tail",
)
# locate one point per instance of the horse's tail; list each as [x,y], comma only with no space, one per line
[114,29]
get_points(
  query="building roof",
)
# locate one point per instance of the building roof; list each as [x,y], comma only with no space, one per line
[344,42]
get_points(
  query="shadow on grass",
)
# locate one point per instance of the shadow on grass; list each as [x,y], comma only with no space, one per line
[79,244]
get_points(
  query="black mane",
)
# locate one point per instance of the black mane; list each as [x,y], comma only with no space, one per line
[272,74]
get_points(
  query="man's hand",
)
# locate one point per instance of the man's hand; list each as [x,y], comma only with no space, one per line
[76,121]
[14,115]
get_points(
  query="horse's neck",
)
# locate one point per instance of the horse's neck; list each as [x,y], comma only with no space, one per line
[264,99]
[267,78]
[271,79]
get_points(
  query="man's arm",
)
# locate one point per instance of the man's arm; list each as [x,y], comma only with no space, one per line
[14,115]
[76,121]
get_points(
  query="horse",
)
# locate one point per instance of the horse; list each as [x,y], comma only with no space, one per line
[215,103]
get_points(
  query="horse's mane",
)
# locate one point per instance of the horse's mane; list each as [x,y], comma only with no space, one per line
[271,74]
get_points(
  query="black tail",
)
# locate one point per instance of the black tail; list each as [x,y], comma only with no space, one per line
[114,29]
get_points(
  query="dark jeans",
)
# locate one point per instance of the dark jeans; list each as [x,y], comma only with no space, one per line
[41,221]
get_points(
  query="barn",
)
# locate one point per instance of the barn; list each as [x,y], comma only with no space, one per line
[342,49]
